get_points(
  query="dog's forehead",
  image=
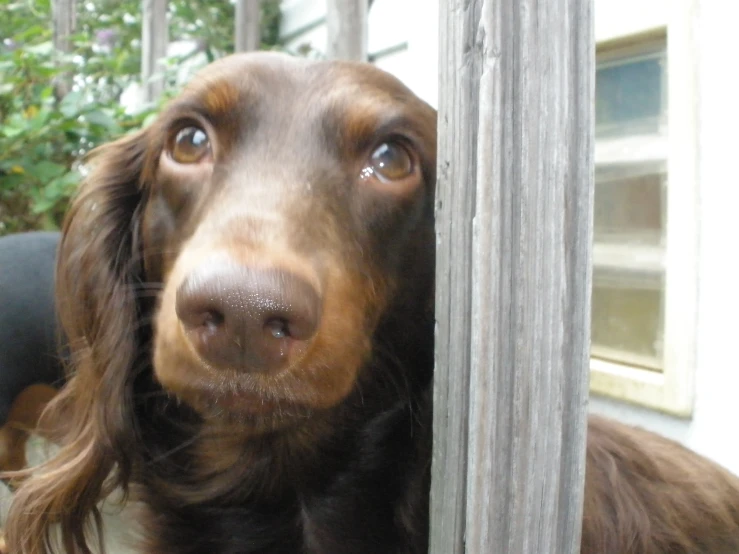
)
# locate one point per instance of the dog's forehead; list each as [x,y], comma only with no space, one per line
[274,78]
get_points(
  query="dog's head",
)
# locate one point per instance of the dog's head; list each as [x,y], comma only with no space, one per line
[284,206]
[251,253]
[288,207]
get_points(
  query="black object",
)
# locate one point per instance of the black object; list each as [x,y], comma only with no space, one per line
[29,341]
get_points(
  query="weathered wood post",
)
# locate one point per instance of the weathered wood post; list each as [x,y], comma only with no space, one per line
[154,41]
[64,21]
[514,227]
[347,29]
[64,15]
[247,25]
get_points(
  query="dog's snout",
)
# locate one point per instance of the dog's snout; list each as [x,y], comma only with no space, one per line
[246,318]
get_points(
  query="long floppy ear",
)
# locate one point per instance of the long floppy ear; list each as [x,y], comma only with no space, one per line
[98,268]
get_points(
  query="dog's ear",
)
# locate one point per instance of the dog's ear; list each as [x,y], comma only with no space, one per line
[98,258]
[98,270]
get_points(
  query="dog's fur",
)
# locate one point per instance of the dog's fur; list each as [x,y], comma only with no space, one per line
[328,452]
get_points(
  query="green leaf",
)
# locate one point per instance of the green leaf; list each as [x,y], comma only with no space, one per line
[99,117]
[61,186]
[72,103]
[40,119]
[45,171]
[46,93]
[11,181]
[55,191]
[12,132]
[43,49]
[41,205]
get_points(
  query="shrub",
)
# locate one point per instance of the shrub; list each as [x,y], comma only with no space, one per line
[44,132]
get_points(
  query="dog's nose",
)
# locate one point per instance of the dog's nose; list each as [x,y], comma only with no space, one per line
[245,318]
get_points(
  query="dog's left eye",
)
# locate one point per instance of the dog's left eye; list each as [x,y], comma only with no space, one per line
[190,145]
[391,161]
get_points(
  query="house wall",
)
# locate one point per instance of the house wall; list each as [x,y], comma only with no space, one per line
[409,30]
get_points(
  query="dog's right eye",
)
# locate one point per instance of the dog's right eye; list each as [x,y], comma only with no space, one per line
[190,146]
[391,161]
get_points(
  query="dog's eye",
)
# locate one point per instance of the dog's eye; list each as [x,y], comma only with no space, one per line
[391,161]
[190,145]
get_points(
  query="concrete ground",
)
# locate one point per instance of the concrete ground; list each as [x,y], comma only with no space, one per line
[118,534]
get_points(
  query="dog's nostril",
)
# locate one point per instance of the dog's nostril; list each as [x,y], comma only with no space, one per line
[246,318]
[212,319]
[194,315]
[278,328]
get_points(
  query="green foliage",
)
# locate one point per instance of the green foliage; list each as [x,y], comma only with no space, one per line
[45,130]
[41,137]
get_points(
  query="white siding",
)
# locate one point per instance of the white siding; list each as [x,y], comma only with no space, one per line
[402,37]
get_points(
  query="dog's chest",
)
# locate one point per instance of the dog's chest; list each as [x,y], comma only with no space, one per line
[325,525]
[325,531]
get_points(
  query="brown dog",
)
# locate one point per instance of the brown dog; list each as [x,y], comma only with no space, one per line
[247,287]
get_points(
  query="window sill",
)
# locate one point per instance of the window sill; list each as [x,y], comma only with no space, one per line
[656,390]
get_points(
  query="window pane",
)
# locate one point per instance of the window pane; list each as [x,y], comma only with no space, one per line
[630,204]
[627,324]
[629,95]
[630,210]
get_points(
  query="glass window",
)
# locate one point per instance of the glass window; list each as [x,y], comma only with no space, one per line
[630,207]
[630,94]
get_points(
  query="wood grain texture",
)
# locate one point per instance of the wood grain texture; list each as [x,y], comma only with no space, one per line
[455,201]
[346,21]
[247,25]
[514,229]
[64,22]
[154,41]
[64,14]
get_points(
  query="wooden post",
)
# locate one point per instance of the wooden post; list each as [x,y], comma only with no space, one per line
[514,228]
[154,41]
[64,14]
[248,29]
[347,29]
[64,20]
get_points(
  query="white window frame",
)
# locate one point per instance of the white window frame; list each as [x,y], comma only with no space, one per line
[624,22]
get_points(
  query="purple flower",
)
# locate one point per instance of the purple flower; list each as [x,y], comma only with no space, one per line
[106,37]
